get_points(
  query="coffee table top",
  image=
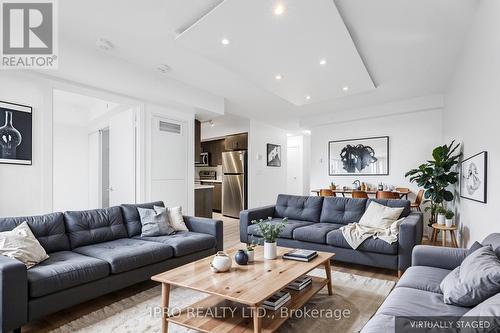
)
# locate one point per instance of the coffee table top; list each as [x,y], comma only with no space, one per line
[250,284]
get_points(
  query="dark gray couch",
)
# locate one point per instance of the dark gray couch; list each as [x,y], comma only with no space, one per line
[418,294]
[314,224]
[93,253]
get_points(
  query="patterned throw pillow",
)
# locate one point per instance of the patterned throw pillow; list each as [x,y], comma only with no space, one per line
[154,223]
[175,217]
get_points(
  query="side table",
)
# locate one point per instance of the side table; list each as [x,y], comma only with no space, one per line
[443,228]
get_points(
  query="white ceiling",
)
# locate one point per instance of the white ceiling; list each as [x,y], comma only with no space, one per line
[409,47]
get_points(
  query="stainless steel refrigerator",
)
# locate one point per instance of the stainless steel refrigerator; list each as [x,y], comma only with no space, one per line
[234,183]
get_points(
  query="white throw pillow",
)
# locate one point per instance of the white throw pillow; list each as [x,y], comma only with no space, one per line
[380,216]
[21,244]
[175,217]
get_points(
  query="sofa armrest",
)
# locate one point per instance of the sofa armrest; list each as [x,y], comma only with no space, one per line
[13,293]
[247,216]
[439,257]
[207,226]
[410,235]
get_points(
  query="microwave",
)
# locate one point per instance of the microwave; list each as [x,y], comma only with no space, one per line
[204,159]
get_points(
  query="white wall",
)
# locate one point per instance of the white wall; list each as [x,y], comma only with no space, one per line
[472,116]
[264,182]
[224,125]
[412,137]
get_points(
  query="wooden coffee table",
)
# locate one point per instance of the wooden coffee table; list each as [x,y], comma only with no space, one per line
[243,289]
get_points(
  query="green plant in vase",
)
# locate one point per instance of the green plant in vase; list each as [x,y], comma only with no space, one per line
[270,231]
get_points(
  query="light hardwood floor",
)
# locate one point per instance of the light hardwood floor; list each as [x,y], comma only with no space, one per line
[231,239]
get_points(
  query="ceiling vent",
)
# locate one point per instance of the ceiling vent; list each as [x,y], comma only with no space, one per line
[165,126]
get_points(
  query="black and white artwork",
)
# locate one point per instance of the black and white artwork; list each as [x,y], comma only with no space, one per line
[473,177]
[273,155]
[368,156]
[15,133]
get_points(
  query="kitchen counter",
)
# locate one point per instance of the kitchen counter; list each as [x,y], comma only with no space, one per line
[202,187]
[219,181]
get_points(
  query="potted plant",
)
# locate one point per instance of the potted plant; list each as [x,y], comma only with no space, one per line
[449,218]
[270,231]
[436,176]
[250,250]
[333,187]
[441,215]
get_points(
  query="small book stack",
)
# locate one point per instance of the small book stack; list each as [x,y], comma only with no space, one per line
[301,255]
[276,301]
[301,283]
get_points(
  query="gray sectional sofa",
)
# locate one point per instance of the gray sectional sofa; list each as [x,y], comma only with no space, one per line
[314,222]
[418,292]
[93,253]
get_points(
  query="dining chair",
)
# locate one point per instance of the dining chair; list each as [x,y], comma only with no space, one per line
[326,193]
[359,195]
[386,195]
[418,201]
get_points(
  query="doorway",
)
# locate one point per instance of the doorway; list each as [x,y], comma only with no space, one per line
[94,152]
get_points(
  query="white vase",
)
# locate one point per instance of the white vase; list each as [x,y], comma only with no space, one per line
[441,219]
[448,223]
[270,250]
[250,255]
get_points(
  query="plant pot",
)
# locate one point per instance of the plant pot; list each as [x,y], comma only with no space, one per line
[270,250]
[448,223]
[250,255]
[441,219]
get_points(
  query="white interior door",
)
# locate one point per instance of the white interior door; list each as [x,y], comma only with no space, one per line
[122,148]
[169,161]
[294,171]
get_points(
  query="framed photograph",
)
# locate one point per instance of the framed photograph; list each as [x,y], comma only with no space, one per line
[273,155]
[359,157]
[16,133]
[473,177]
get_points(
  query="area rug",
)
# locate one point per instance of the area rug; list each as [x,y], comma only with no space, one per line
[355,300]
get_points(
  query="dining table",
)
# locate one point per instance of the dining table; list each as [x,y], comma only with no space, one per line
[402,194]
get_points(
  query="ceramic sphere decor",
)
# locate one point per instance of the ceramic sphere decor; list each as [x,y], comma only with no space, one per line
[241,257]
[221,262]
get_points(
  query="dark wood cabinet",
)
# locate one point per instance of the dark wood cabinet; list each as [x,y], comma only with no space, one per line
[217,197]
[215,149]
[236,142]
[197,140]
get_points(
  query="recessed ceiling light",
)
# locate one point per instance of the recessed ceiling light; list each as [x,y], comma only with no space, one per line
[225,41]
[279,9]
[308,97]
[345,88]
[104,44]
[163,68]
[322,62]
[278,77]
[211,123]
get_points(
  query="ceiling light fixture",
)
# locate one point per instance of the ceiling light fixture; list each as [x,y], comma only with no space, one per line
[164,68]
[279,9]
[322,62]
[345,88]
[225,41]
[308,97]
[278,77]
[211,122]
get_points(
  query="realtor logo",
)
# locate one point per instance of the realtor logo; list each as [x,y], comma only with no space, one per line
[28,34]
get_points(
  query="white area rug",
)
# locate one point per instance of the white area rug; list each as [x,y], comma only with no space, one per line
[361,296]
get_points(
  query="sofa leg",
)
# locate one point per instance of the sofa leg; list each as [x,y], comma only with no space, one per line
[400,272]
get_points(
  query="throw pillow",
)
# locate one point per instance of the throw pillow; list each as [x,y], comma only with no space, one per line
[380,216]
[21,244]
[175,217]
[154,223]
[475,280]
[487,308]
[473,248]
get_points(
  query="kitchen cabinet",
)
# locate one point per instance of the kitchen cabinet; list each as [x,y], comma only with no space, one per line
[197,141]
[216,195]
[203,197]
[236,142]
[215,149]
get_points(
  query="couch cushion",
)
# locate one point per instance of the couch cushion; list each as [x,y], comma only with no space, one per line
[336,238]
[48,229]
[315,233]
[185,242]
[487,308]
[131,217]
[298,207]
[94,226]
[64,270]
[423,278]
[342,210]
[286,233]
[393,203]
[380,323]
[413,302]
[494,241]
[127,254]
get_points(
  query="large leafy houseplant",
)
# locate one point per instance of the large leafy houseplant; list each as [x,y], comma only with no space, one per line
[436,176]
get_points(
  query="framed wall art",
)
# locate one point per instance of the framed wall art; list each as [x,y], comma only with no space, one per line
[473,177]
[16,133]
[273,155]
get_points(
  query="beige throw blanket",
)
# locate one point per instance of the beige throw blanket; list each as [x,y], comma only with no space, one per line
[355,233]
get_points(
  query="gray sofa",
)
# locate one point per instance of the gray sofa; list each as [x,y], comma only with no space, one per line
[314,222]
[91,254]
[418,294]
